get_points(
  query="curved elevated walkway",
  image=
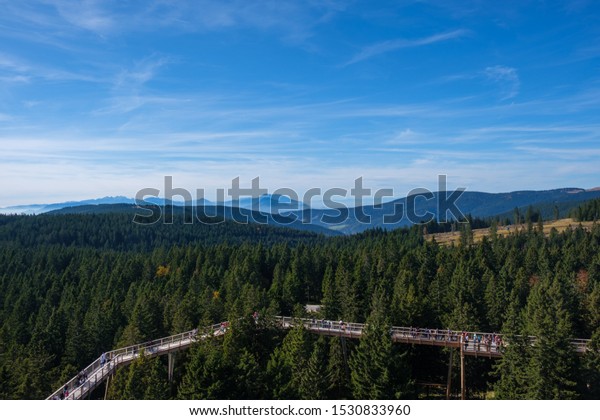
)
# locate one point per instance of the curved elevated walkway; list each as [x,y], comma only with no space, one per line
[104,366]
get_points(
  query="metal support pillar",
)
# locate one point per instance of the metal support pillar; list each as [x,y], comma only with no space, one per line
[463,379]
[171,366]
[449,383]
[345,353]
[106,386]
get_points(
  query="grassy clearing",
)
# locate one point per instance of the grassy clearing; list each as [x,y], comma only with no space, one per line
[454,237]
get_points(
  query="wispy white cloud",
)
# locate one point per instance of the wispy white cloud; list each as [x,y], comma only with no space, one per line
[396,44]
[405,137]
[507,78]
[293,20]
[93,165]
[19,70]
[204,91]
[580,154]
[85,14]
[142,72]
[12,64]
[123,104]
[18,79]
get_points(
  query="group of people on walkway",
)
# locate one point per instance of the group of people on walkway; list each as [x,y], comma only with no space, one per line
[81,379]
[433,334]
[491,342]
[323,323]
[64,394]
[223,327]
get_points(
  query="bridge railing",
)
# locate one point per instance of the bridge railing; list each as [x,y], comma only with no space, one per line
[474,341]
[96,371]
[85,381]
[352,329]
[581,345]
[160,344]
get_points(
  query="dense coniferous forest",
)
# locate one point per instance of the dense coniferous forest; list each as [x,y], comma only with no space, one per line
[73,286]
[588,211]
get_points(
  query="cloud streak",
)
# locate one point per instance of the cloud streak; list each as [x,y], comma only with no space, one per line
[86,14]
[294,20]
[507,78]
[397,44]
[106,94]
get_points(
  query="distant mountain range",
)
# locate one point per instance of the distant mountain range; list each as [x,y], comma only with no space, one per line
[264,203]
[476,204]
[298,215]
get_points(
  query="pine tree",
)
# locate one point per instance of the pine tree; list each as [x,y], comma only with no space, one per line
[529,219]
[591,369]
[512,367]
[406,307]
[495,300]
[144,379]
[462,294]
[373,368]
[287,363]
[347,295]
[6,383]
[331,309]
[593,308]
[313,379]
[337,371]
[145,323]
[249,377]
[552,362]
[205,373]
[156,386]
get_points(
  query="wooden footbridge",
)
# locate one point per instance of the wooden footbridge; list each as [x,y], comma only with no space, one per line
[475,344]
[105,366]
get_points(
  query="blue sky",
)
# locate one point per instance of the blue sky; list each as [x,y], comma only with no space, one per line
[107,97]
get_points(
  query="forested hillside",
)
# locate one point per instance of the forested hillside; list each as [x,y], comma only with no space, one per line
[115,231]
[74,286]
[588,211]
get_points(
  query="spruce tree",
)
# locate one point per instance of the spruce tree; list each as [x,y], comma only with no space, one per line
[331,309]
[337,371]
[512,367]
[287,363]
[374,370]
[205,374]
[551,365]
[313,378]
[144,379]
[591,369]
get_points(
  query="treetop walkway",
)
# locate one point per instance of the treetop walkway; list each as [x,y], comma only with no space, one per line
[477,344]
